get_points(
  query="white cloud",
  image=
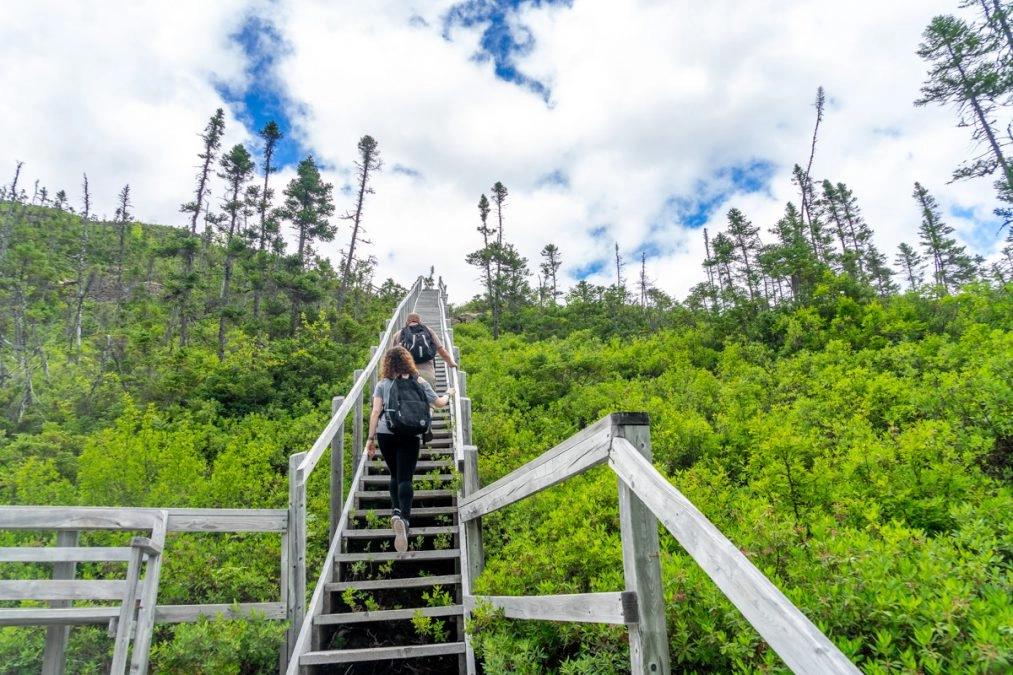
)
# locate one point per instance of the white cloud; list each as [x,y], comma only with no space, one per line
[648,100]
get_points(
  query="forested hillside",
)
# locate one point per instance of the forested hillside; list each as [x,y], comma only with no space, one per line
[843,414]
[860,454]
[101,404]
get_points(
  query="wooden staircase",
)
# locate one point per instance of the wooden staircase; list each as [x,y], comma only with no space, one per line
[389,612]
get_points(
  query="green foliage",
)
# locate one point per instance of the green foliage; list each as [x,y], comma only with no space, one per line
[856,452]
[220,647]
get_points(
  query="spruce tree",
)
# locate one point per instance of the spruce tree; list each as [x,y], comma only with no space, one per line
[308,207]
[951,266]
[237,168]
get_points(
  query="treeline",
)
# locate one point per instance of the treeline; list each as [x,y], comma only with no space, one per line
[114,291]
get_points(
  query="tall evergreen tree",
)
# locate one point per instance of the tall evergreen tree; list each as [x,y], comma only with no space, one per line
[551,263]
[483,257]
[499,196]
[123,219]
[965,72]
[912,264]
[212,138]
[237,168]
[82,285]
[368,162]
[746,239]
[308,207]
[951,266]
[268,223]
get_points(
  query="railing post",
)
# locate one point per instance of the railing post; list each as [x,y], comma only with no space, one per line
[462,380]
[54,659]
[357,425]
[465,423]
[295,605]
[641,560]
[473,528]
[374,375]
[337,471]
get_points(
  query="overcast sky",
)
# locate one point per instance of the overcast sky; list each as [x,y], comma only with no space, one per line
[629,122]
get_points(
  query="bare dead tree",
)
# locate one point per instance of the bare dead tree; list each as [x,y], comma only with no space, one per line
[369,161]
[82,285]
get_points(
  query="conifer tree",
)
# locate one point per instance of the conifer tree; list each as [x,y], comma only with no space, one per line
[212,138]
[746,239]
[368,162]
[550,266]
[268,223]
[483,257]
[123,218]
[237,168]
[499,195]
[308,207]
[912,264]
[82,286]
[965,71]
[951,266]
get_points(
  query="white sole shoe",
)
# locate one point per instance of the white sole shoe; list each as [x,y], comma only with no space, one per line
[400,535]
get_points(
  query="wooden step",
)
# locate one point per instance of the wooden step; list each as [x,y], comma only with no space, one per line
[384,481]
[386,533]
[397,582]
[386,615]
[419,494]
[422,466]
[417,511]
[382,556]
[379,653]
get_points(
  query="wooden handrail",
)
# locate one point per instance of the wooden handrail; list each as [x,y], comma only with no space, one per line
[802,646]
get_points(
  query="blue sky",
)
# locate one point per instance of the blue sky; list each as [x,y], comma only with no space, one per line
[629,122]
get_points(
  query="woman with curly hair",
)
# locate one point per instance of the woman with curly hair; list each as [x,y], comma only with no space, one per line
[400,451]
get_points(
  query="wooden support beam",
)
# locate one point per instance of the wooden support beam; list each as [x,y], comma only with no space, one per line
[611,608]
[801,645]
[642,565]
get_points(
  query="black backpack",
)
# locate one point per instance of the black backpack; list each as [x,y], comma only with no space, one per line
[406,407]
[418,340]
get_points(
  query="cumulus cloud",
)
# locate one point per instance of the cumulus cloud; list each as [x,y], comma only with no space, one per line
[635,122]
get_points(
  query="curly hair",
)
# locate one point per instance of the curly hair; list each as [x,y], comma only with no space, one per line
[397,361]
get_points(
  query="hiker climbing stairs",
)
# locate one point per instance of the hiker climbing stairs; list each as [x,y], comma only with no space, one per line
[390,612]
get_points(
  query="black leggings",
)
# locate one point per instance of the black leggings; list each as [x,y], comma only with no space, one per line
[402,455]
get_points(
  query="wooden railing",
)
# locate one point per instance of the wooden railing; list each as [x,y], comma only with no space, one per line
[622,440]
[64,589]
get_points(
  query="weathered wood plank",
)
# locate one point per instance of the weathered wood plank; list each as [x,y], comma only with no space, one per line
[191,613]
[573,456]
[149,598]
[611,608]
[113,518]
[380,653]
[227,520]
[386,615]
[54,659]
[404,582]
[66,616]
[379,556]
[63,589]
[74,518]
[642,567]
[299,637]
[798,642]
[51,554]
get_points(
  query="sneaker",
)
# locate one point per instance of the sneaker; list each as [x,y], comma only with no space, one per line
[400,527]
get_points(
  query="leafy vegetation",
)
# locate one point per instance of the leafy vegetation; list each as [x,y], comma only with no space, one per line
[853,440]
